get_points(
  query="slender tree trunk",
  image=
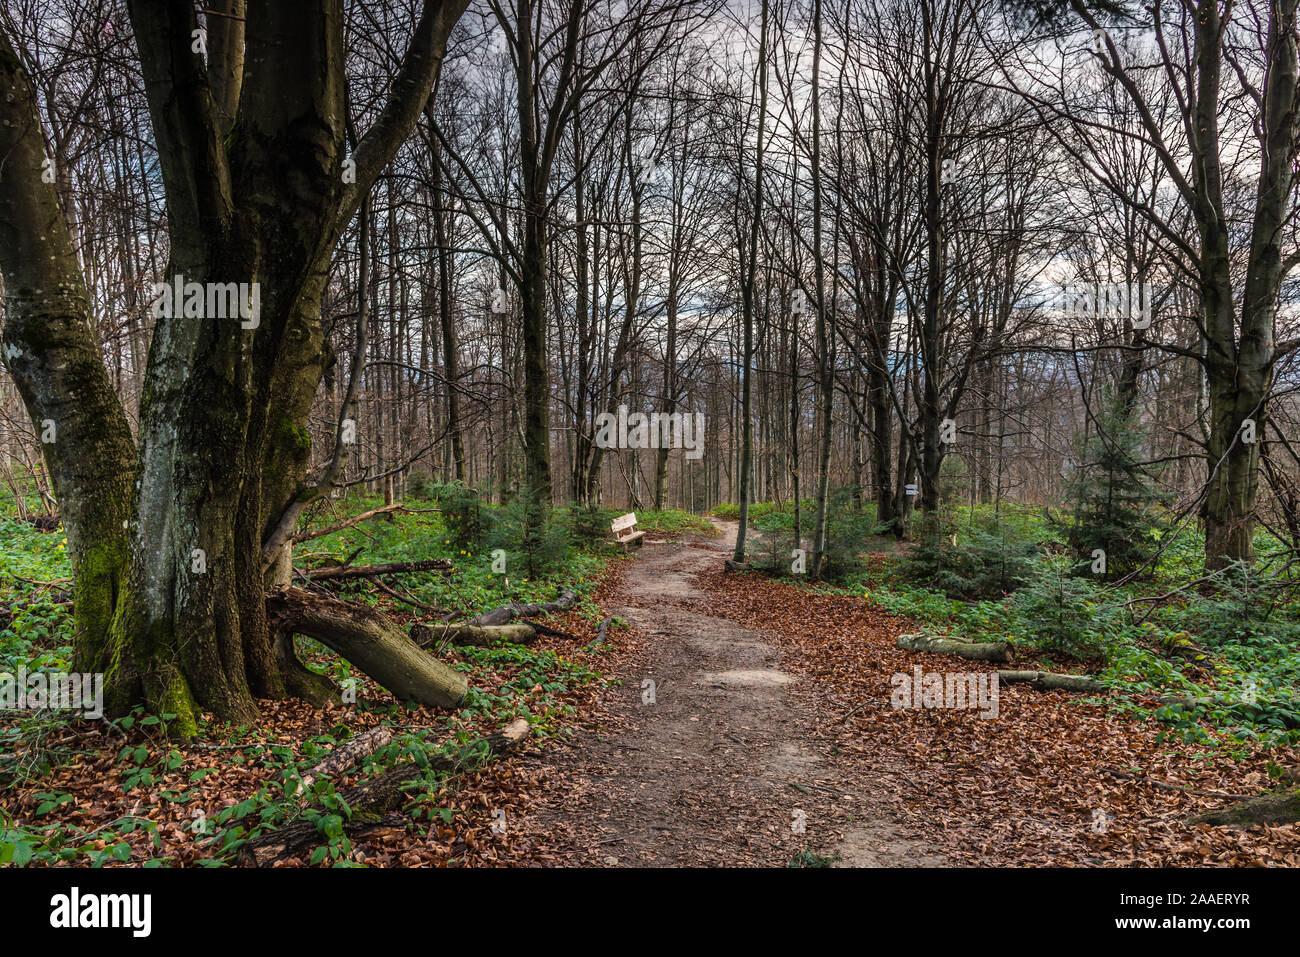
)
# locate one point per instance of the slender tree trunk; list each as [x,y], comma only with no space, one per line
[747,301]
[825,355]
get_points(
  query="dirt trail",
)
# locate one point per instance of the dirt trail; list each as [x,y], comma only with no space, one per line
[705,755]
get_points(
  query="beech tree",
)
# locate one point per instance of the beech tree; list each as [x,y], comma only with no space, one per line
[1221,122]
[175,532]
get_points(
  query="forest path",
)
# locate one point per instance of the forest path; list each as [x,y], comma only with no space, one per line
[717,762]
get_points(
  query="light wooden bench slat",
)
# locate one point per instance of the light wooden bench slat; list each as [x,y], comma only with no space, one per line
[625,523]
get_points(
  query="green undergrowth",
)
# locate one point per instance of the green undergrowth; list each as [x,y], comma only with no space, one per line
[1229,646]
[506,682]
[509,682]
[35,596]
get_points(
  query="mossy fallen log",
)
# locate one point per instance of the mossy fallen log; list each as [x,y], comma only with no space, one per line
[506,613]
[481,636]
[998,651]
[1051,681]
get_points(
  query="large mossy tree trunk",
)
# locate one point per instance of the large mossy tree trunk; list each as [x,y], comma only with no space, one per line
[166,532]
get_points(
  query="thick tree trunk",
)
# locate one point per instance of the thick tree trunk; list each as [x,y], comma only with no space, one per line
[1239,369]
[170,582]
[535,169]
[58,370]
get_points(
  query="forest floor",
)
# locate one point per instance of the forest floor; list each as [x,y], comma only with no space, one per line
[737,719]
[770,740]
[722,760]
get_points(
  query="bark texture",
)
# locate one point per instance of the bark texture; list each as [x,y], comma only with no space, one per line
[166,532]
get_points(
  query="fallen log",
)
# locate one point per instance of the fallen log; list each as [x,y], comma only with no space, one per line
[1279,807]
[506,613]
[442,565]
[1050,681]
[350,752]
[372,642]
[482,636]
[975,650]
[371,800]
[547,630]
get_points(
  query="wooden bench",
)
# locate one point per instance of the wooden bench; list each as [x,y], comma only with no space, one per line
[624,529]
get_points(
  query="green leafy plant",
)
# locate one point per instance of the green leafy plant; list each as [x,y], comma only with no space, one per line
[1061,613]
[462,513]
[981,563]
[1117,508]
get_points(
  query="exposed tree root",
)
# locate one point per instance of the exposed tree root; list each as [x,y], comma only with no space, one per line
[372,642]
